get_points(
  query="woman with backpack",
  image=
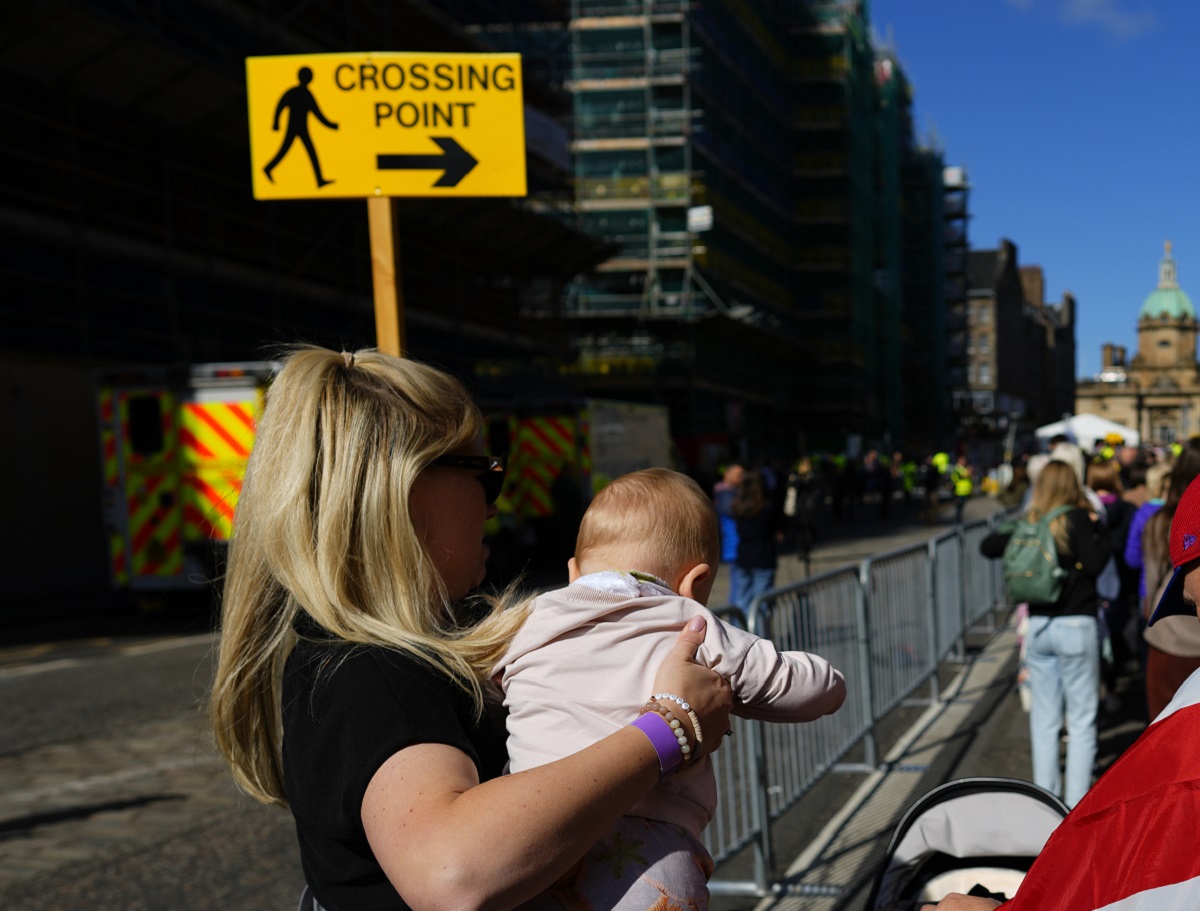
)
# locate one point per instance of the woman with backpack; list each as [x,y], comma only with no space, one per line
[1062,646]
[1116,588]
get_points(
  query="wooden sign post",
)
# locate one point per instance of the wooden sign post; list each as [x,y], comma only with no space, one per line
[385,266]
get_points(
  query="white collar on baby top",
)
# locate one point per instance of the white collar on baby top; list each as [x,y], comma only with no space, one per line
[631,584]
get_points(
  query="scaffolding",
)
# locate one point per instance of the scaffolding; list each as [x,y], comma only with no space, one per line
[634,179]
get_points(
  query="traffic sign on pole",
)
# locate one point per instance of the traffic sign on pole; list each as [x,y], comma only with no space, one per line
[386,124]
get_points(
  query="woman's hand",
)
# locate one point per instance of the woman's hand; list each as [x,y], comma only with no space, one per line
[958,902]
[705,690]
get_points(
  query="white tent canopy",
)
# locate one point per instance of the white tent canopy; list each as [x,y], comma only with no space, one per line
[1087,430]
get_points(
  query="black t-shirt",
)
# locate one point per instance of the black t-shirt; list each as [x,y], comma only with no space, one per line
[347,709]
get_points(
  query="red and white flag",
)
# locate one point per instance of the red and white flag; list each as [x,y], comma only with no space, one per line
[1133,842]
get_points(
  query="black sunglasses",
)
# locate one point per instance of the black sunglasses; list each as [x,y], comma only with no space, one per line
[490,468]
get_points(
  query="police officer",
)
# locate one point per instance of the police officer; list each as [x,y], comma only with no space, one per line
[961,477]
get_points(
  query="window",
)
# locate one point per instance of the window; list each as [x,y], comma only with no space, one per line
[145,425]
[985,373]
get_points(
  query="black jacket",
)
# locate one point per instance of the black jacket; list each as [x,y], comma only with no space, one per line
[757,539]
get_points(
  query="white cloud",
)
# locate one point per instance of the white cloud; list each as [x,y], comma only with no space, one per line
[1108,15]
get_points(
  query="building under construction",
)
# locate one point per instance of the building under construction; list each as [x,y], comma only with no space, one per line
[779,272]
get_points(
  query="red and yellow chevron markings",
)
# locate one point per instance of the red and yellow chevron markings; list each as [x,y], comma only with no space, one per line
[542,448]
[151,494]
[215,442]
[111,473]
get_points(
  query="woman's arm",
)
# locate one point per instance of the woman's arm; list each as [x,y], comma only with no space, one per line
[447,841]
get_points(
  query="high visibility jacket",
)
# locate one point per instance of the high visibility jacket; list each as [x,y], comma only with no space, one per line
[963,485]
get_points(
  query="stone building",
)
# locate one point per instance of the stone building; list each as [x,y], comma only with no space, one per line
[1020,354]
[1158,390]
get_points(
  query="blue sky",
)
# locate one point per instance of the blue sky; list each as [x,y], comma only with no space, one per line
[1079,125]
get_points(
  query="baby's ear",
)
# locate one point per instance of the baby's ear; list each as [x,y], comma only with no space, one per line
[696,583]
[573,572]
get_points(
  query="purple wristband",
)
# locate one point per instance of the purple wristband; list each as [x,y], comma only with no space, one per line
[663,739]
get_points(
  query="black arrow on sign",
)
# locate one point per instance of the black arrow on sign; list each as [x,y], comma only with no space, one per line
[455,162]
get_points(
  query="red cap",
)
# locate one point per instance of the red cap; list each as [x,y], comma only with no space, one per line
[1185,547]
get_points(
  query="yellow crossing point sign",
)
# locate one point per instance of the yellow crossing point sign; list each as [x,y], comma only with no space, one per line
[386,124]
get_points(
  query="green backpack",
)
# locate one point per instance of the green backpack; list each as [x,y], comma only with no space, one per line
[1031,569]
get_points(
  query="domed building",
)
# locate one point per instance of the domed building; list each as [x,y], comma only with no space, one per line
[1158,391]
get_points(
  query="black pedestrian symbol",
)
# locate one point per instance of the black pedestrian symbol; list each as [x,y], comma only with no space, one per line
[299,102]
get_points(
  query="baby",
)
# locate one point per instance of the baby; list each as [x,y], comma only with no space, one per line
[584,663]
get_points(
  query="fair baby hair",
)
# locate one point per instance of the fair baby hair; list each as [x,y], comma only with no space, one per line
[655,520]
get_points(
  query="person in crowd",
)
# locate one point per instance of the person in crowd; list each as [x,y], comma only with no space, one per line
[840,487]
[1116,586]
[1014,492]
[904,471]
[962,478]
[886,473]
[1156,482]
[877,481]
[583,663]
[759,532]
[724,494]
[1068,452]
[1062,651]
[933,474]
[352,681]
[802,505]
[1118,849]
[1173,645]
[1133,483]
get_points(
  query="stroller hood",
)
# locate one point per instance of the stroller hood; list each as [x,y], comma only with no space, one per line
[973,824]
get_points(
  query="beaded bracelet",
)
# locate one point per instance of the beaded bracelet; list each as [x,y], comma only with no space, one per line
[695,719]
[677,728]
[662,738]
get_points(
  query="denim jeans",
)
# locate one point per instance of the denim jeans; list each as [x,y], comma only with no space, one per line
[1063,657]
[747,584]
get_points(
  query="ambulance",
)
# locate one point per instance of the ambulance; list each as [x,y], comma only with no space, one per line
[173,446]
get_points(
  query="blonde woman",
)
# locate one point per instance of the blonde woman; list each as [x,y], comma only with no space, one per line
[1062,647]
[351,680]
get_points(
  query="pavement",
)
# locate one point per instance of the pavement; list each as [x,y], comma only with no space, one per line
[99,809]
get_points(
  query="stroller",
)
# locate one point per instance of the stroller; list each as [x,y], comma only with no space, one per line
[977,836]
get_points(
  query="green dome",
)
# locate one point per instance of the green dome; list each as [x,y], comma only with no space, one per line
[1168,299]
[1171,302]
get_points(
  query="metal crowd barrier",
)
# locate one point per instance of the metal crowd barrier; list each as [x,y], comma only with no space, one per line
[886,624]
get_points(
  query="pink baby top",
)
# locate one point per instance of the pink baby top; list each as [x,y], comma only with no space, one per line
[585,660]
